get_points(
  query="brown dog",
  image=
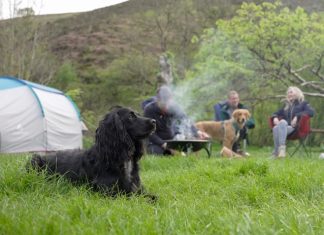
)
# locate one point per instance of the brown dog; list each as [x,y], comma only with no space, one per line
[226,131]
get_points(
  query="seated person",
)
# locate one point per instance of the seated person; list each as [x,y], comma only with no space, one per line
[223,111]
[286,118]
[168,116]
[147,102]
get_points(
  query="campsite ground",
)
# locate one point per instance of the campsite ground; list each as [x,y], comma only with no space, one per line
[197,195]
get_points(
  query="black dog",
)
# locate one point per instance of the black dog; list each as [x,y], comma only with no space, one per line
[111,164]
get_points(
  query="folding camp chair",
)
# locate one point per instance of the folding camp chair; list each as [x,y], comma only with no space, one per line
[300,133]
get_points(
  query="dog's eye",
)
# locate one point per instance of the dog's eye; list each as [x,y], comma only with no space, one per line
[132,116]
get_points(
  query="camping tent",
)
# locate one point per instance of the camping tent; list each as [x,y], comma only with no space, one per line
[34,117]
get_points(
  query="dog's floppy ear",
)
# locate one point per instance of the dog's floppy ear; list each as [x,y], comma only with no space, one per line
[112,140]
[236,114]
[247,113]
[122,134]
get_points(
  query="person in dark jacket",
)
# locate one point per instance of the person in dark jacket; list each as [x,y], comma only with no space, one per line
[223,111]
[286,118]
[168,116]
[147,102]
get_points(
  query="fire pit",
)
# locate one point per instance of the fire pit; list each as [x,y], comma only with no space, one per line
[189,146]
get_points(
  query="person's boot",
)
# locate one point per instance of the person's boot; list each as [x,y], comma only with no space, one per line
[282,151]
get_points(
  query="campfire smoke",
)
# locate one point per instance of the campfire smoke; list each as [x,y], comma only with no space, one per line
[182,125]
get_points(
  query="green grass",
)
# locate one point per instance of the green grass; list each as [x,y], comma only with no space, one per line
[197,195]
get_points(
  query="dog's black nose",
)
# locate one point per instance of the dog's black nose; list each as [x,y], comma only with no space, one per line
[153,121]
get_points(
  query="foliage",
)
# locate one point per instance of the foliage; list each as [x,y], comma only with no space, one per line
[197,195]
[23,53]
[219,67]
[261,51]
[287,45]
[28,11]
[65,76]
[119,84]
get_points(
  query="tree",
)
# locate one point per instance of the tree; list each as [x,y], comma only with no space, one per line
[28,11]
[287,46]
[23,53]
[261,51]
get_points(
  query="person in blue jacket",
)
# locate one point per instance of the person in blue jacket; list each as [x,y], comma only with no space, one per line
[223,111]
[286,118]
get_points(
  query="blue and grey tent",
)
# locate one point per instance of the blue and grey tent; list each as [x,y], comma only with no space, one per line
[34,117]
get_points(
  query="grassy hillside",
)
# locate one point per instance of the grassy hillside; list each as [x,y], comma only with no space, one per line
[99,37]
[197,195]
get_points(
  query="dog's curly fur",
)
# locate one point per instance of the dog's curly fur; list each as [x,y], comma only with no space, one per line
[111,164]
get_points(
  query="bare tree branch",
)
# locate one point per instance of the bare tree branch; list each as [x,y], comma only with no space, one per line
[314,94]
[318,75]
[303,68]
[320,59]
[313,82]
[303,81]
[317,71]
[262,57]
[261,99]
[280,78]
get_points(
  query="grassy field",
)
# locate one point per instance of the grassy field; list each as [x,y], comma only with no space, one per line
[197,195]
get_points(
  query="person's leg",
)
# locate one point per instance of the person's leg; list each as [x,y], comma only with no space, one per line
[237,145]
[158,150]
[154,149]
[275,133]
[290,130]
[244,138]
[283,131]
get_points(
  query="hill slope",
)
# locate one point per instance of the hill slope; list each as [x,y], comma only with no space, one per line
[110,56]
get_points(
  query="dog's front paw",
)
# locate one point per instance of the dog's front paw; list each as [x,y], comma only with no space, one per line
[150,197]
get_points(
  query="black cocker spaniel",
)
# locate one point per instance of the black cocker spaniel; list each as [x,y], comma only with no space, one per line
[111,164]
